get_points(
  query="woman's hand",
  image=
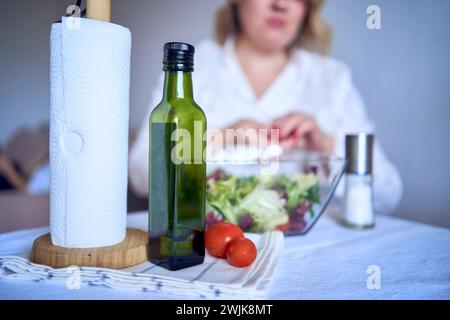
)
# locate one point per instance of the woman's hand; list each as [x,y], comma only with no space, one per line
[298,130]
[246,132]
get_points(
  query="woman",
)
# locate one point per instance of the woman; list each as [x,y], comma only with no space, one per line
[267,68]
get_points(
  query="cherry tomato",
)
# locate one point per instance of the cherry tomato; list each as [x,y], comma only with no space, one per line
[219,235]
[241,252]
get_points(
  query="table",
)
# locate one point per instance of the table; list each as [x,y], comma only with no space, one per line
[398,259]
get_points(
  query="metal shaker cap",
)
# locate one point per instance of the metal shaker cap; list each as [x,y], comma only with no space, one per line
[359,153]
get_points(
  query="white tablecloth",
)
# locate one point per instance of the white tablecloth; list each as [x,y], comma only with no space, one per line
[331,262]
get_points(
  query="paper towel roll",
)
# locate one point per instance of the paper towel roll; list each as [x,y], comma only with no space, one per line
[90,79]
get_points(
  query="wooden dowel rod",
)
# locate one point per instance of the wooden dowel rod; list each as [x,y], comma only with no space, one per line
[99,10]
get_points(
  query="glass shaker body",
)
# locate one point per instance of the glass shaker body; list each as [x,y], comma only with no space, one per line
[357,209]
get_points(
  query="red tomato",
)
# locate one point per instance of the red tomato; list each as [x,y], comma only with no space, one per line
[241,252]
[219,235]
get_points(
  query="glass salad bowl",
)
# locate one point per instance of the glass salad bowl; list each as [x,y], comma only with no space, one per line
[288,193]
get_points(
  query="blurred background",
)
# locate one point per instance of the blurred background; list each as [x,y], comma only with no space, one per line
[402,71]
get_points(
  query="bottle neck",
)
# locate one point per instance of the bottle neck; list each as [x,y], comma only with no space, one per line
[178,85]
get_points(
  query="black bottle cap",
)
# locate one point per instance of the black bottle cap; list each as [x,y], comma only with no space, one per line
[178,56]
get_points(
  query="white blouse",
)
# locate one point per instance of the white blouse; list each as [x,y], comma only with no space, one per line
[310,83]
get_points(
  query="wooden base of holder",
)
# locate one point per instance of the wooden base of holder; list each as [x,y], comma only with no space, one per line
[129,252]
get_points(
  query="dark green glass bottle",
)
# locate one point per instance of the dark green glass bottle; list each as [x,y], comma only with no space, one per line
[177,168]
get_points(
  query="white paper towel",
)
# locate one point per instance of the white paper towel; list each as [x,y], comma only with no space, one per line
[90,79]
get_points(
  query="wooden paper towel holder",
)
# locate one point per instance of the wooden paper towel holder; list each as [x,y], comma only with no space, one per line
[131,251]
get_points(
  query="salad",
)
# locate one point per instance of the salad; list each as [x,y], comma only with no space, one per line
[261,203]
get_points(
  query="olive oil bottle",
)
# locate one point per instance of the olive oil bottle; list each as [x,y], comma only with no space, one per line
[177,168]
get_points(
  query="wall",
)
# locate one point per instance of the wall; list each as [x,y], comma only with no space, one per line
[403,72]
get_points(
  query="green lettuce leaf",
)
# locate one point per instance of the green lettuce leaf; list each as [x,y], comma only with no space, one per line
[266,208]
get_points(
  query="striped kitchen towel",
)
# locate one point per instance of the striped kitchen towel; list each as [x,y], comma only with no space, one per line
[215,278]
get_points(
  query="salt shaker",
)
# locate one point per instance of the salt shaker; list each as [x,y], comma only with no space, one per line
[357,209]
